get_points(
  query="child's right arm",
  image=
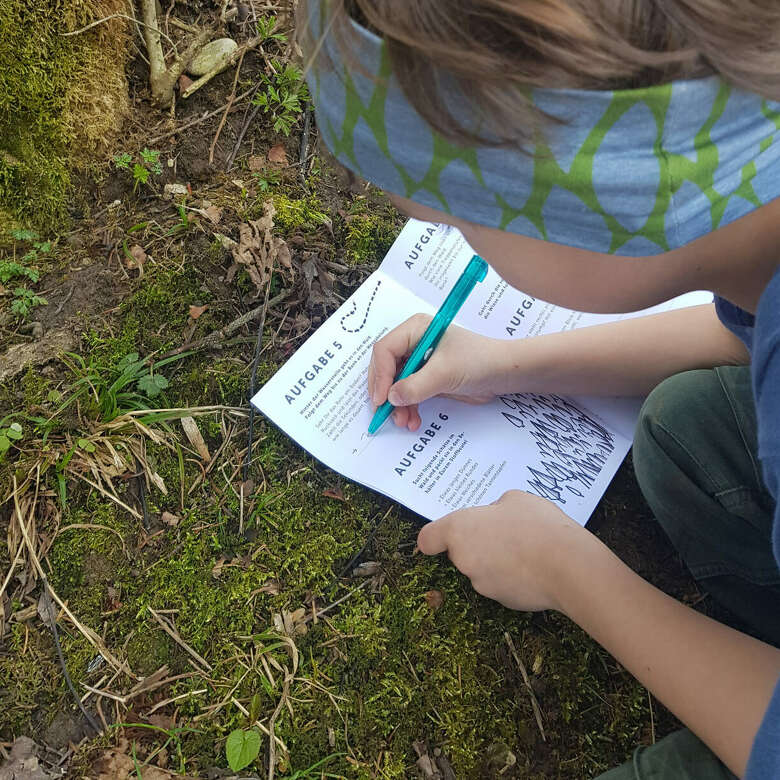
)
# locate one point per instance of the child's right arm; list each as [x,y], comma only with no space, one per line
[629,357]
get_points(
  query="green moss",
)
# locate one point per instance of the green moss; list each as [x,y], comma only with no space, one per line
[294,214]
[369,231]
[59,100]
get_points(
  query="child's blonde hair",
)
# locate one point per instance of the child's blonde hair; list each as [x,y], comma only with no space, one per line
[496,49]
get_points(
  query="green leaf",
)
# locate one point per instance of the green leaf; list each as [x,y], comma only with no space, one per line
[86,445]
[152,385]
[53,396]
[14,431]
[254,708]
[24,235]
[5,444]
[140,173]
[242,748]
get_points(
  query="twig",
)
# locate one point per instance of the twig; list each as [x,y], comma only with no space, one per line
[52,620]
[534,702]
[177,638]
[108,18]
[228,106]
[260,725]
[175,698]
[304,145]
[244,127]
[253,378]
[322,611]
[215,338]
[652,719]
[142,496]
[65,299]
[197,121]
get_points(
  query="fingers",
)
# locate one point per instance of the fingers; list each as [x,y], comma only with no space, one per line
[389,352]
[433,537]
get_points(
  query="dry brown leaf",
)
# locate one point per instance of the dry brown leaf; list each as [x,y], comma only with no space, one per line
[435,599]
[256,163]
[170,519]
[137,257]
[277,155]
[216,569]
[196,311]
[185,82]
[290,624]
[272,588]
[214,214]
[194,435]
[259,249]
[23,763]
[335,492]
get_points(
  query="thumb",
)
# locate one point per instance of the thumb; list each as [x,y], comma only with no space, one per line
[415,389]
[433,537]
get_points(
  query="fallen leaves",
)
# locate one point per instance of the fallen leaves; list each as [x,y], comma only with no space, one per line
[277,155]
[135,257]
[196,311]
[335,492]
[434,599]
[23,763]
[291,624]
[258,249]
[196,439]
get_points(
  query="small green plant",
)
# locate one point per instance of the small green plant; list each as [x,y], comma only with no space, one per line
[283,96]
[243,745]
[266,30]
[242,748]
[9,433]
[267,178]
[25,301]
[143,166]
[129,385]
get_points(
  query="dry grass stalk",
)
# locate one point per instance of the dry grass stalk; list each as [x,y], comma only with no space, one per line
[88,633]
[174,634]
[527,681]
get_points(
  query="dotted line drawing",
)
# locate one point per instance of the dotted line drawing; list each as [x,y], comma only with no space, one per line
[354,309]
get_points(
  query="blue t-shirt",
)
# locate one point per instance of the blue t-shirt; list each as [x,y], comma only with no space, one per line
[761,334]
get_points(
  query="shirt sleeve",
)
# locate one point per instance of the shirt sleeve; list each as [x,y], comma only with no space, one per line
[764,761]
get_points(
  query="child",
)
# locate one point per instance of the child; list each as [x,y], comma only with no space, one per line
[605,157]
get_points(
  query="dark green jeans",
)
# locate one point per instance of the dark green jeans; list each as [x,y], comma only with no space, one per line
[695,455]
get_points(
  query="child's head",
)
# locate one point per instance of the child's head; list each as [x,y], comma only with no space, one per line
[628,127]
[498,49]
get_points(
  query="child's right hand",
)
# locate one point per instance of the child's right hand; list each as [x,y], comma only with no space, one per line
[464,366]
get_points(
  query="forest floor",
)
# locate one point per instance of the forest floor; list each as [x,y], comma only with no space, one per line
[194,597]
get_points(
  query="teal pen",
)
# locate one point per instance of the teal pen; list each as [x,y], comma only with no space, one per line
[475,272]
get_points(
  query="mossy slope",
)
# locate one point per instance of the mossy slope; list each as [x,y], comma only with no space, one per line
[61,100]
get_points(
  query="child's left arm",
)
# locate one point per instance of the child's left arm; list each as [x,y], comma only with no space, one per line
[527,554]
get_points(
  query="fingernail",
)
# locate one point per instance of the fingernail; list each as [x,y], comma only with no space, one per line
[395,398]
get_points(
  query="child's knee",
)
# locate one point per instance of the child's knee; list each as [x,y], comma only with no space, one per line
[675,423]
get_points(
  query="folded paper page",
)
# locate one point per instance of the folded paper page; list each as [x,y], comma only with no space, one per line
[563,449]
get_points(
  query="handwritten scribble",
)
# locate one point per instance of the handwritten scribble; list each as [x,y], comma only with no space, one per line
[354,309]
[572,446]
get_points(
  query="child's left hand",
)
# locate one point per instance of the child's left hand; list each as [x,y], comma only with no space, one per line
[513,550]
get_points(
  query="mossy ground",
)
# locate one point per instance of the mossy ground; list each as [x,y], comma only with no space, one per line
[61,100]
[384,668]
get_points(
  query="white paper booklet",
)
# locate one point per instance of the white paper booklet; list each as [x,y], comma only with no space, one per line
[563,449]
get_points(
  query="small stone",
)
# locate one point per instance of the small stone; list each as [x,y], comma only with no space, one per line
[174,190]
[213,55]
